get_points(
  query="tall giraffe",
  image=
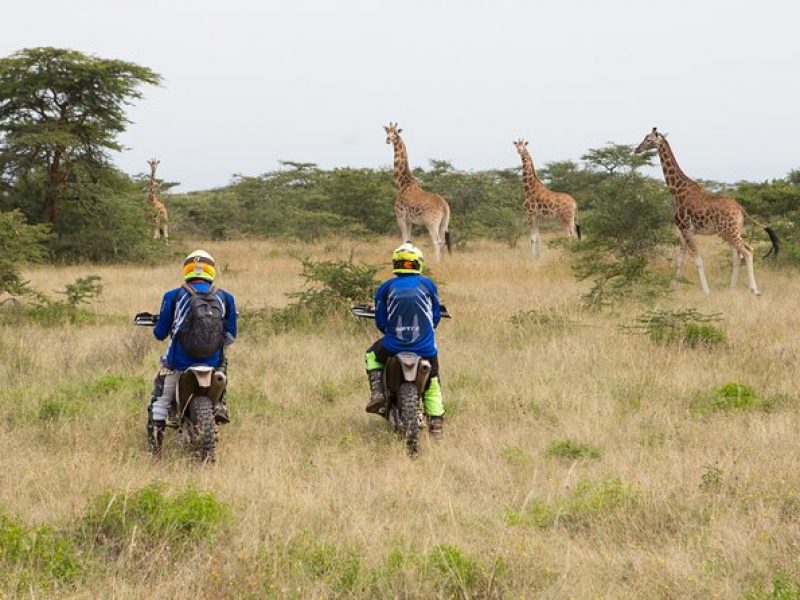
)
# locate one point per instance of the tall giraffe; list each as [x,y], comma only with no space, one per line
[543,202]
[159,210]
[413,205]
[698,212]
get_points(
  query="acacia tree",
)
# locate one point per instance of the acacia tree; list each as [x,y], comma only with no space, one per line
[60,114]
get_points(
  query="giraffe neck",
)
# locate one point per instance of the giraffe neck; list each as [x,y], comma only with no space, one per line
[676,179]
[530,180]
[402,173]
[151,187]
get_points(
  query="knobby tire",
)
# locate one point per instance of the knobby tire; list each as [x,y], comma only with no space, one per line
[408,399]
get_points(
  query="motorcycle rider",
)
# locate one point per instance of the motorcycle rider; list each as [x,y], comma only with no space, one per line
[199,271]
[407,311]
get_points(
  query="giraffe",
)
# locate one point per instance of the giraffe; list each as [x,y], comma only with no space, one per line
[543,202]
[698,212]
[413,205]
[160,211]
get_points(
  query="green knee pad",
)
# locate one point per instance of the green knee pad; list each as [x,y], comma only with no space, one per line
[373,364]
[432,399]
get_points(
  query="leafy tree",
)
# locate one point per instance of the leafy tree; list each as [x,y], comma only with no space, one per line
[614,158]
[60,114]
[630,224]
[19,242]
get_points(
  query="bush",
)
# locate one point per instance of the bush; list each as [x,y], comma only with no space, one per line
[589,502]
[45,311]
[154,518]
[19,242]
[734,397]
[35,558]
[630,225]
[571,450]
[339,285]
[684,327]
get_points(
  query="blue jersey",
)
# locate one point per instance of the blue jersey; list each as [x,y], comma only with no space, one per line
[407,311]
[174,307]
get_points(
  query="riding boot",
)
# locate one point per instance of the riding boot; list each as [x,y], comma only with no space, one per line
[377,399]
[432,401]
[221,411]
[436,427]
[155,437]
[221,415]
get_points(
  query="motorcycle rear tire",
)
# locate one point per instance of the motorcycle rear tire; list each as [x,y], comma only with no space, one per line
[201,414]
[408,399]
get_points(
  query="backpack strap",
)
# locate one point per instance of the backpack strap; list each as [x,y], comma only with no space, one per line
[189,288]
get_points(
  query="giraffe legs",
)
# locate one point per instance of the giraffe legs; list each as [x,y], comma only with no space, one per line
[688,243]
[534,239]
[736,261]
[741,249]
[433,230]
[405,229]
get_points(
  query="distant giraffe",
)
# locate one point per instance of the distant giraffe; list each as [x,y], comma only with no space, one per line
[413,205]
[697,212]
[543,202]
[160,211]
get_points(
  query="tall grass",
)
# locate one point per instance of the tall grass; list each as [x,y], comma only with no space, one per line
[321,501]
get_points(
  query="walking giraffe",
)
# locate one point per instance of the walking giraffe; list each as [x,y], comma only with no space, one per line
[413,205]
[543,202]
[698,212]
[160,211]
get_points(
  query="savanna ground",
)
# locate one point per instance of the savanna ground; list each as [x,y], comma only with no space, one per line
[579,460]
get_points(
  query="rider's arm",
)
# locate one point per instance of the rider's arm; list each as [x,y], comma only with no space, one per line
[437,308]
[381,314]
[165,316]
[230,319]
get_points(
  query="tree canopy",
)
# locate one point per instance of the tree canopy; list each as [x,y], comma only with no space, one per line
[60,114]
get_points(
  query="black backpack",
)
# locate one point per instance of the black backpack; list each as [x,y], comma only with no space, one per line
[202,331]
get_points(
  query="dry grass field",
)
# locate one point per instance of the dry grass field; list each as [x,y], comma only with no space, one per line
[579,460]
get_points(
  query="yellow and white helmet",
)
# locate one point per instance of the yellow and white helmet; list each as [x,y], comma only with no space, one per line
[407,258]
[199,265]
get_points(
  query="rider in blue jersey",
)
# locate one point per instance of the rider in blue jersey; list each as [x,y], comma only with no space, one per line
[407,311]
[199,271]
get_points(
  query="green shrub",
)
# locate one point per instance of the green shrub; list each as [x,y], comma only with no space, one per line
[334,287]
[783,588]
[77,399]
[153,518]
[588,502]
[547,319]
[686,327]
[711,478]
[516,455]
[46,311]
[734,397]
[571,450]
[458,573]
[35,558]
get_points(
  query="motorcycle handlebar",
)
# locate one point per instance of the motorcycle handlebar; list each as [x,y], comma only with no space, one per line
[145,319]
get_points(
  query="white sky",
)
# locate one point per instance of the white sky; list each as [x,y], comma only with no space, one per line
[248,82]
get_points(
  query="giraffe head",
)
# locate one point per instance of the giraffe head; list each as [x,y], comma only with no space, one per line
[650,142]
[521,146]
[392,133]
[153,164]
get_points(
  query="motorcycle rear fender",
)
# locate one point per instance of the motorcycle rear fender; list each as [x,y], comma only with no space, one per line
[407,366]
[196,379]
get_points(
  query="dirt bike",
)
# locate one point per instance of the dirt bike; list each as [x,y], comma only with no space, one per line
[404,380]
[197,393]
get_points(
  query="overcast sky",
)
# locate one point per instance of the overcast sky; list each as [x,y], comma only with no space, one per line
[250,82]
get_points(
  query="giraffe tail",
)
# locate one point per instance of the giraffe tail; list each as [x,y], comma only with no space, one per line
[776,244]
[578,230]
[447,241]
[773,237]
